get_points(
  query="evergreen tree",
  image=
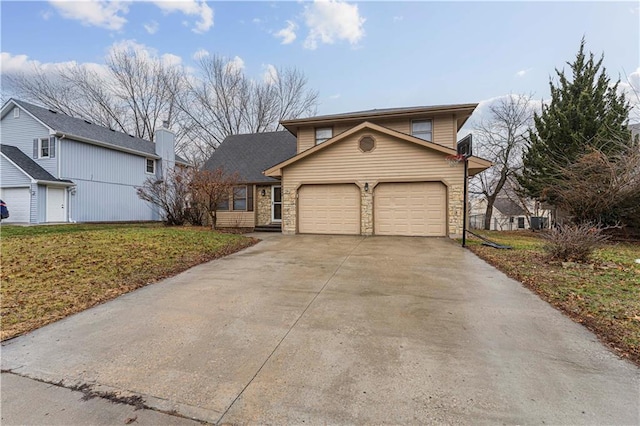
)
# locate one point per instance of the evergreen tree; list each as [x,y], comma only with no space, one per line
[584,113]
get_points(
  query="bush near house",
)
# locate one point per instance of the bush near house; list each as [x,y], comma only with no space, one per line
[50,272]
[603,295]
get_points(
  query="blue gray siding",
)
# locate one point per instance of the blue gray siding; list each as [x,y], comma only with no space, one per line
[106,182]
[11,176]
[20,133]
[39,204]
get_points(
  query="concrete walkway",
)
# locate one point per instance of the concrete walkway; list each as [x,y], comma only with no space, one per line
[331,329]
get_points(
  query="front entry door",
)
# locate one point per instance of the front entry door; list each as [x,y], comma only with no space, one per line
[276,204]
[56,211]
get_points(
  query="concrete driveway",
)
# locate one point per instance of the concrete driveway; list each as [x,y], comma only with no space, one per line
[337,329]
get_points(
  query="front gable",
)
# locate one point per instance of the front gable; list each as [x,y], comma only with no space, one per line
[393,153]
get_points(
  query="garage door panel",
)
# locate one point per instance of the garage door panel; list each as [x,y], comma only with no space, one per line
[18,202]
[329,209]
[412,209]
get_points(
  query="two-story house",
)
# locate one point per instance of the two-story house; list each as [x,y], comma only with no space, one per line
[57,168]
[377,172]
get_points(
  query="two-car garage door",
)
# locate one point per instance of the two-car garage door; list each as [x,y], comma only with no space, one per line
[407,208]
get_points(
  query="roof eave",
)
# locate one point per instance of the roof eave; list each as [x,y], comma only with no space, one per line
[106,145]
[293,124]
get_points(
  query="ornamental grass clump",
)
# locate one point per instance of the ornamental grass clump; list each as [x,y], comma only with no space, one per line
[574,242]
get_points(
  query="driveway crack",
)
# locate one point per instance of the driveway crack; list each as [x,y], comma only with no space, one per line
[304,311]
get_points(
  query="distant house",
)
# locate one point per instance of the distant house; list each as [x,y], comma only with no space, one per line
[57,168]
[507,215]
[377,172]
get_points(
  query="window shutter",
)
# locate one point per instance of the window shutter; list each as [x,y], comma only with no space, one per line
[35,148]
[249,198]
[52,146]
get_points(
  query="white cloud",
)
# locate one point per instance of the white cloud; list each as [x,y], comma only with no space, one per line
[235,65]
[336,96]
[332,20]
[46,14]
[99,13]
[152,27]
[270,75]
[190,7]
[630,86]
[398,18]
[288,34]
[200,53]
[522,73]
[16,64]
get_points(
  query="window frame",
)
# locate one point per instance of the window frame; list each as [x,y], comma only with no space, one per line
[146,166]
[235,198]
[41,148]
[16,112]
[420,134]
[318,140]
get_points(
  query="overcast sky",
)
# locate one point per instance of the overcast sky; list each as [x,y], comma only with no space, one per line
[358,55]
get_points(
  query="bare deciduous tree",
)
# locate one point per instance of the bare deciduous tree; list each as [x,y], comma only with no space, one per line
[500,138]
[601,188]
[136,90]
[221,101]
[171,194]
[211,189]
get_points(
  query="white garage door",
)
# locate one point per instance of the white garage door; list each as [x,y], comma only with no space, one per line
[329,209]
[18,201]
[413,209]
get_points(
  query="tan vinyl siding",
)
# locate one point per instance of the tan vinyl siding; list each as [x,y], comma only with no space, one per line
[306,138]
[390,160]
[400,125]
[444,130]
[235,219]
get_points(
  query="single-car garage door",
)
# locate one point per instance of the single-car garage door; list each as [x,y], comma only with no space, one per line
[329,209]
[413,209]
[18,201]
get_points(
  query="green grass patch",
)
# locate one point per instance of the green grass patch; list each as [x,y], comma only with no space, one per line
[603,295]
[50,272]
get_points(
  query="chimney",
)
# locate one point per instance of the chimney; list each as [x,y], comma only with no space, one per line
[165,148]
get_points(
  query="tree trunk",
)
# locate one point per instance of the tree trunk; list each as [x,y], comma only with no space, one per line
[488,213]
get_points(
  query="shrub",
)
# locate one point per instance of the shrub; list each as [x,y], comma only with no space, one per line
[574,242]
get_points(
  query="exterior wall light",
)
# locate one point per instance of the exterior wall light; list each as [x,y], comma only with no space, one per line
[366,187]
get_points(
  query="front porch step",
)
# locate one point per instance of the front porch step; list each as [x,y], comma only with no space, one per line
[272,227]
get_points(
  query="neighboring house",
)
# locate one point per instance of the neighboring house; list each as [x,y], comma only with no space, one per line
[56,168]
[635,130]
[382,172]
[507,215]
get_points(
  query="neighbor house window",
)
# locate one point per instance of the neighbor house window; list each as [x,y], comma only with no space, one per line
[16,112]
[521,223]
[45,148]
[323,134]
[240,198]
[422,129]
[151,166]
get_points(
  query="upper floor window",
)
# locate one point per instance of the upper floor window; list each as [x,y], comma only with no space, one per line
[16,112]
[44,149]
[422,129]
[323,134]
[151,166]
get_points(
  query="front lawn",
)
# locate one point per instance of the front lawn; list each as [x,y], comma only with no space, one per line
[604,295]
[50,272]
